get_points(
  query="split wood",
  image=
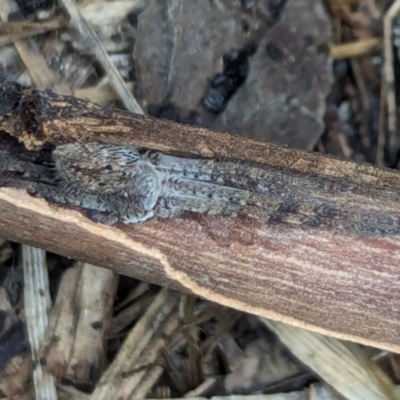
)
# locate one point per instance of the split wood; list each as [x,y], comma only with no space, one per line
[341,284]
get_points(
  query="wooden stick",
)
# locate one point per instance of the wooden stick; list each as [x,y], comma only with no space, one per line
[355,49]
[345,285]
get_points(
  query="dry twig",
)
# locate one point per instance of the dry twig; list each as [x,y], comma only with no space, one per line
[355,49]
[242,262]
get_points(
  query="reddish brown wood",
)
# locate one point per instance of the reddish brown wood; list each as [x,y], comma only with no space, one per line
[336,283]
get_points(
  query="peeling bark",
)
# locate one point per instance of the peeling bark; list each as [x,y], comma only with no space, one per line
[338,283]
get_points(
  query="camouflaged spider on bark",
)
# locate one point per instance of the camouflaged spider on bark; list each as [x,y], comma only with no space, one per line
[118,183]
[125,186]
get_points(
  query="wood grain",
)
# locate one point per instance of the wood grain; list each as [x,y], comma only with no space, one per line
[345,285]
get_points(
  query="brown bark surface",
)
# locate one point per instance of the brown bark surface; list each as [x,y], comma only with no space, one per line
[342,284]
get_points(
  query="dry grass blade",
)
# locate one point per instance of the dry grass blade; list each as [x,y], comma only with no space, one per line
[125,317]
[94,45]
[355,49]
[14,31]
[37,305]
[127,360]
[341,365]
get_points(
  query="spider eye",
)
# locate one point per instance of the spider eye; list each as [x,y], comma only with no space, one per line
[108,167]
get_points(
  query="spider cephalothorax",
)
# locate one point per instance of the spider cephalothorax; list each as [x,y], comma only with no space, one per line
[124,183]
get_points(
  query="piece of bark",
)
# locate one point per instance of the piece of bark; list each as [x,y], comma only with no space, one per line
[140,349]
[180,46]
[57,353]
[74,345]
[341,284]
[250,71]
[92,311]
[290,76]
